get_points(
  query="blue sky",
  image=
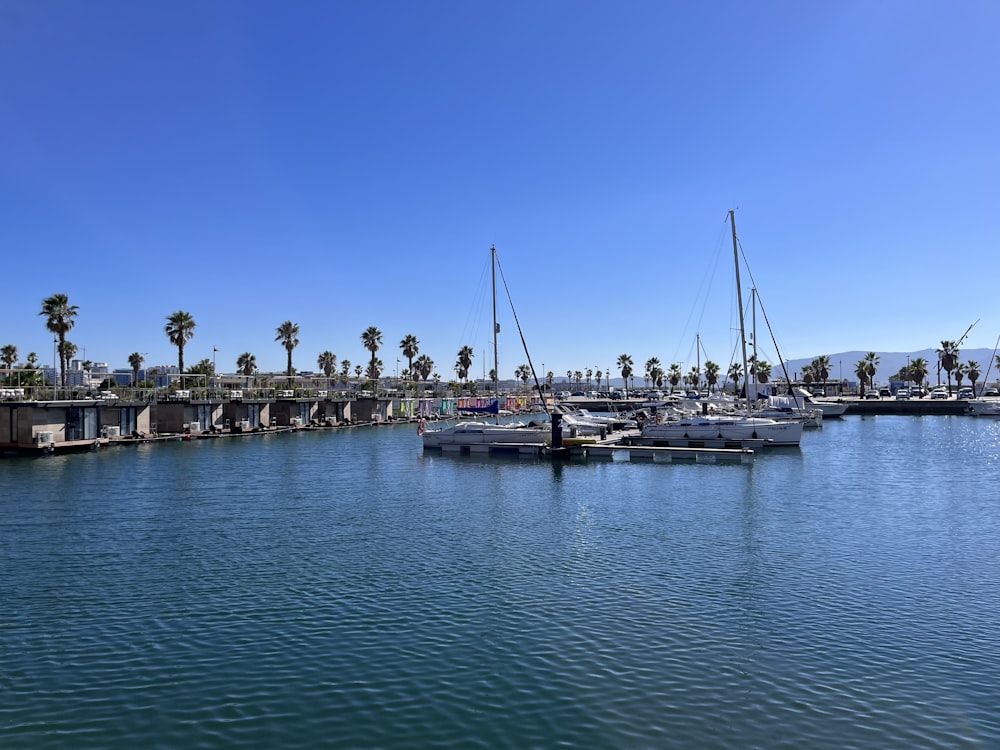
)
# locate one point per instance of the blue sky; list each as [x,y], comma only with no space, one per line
[345,165]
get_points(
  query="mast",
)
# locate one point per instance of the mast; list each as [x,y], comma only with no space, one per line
[496,330]
[739,300]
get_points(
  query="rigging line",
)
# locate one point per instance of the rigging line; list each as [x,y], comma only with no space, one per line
[986,377]
[524,344]
[777,349]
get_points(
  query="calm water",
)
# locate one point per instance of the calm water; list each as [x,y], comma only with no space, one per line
[344,589]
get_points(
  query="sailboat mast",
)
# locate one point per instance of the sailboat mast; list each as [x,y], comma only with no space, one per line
[739,300]
[496,330]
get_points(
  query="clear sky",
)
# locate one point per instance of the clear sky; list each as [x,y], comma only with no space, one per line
[349,164]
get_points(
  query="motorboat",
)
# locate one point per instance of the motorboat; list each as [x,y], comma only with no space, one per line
[486,433]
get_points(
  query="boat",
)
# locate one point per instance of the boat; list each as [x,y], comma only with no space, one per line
[728,427]
[830,408]
[984,407]
[481,433]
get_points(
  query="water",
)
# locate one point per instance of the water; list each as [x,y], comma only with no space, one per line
[344,589]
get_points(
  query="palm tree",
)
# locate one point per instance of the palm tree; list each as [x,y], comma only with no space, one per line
[135,360]
[345,372]
[424,368]
[598,375]
[861,373]
[327,362]
[960,371]
[821,369]
[652,369]
[711,374]
[589,373]
[735,373]
[948,358]
[464,363]
[674,376]
[763,369]
[972,368]
[522,373]
[410,348]
[8,355]
[59,314]
[872,361]
[288,335]
[180,329]
[372,340]
[625,364]
[246,364]
[694,376]
[918,370]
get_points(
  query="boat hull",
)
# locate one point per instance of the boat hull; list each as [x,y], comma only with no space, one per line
[708,428]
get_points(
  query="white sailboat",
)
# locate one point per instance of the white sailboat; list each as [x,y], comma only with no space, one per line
[482,433]
[729,427]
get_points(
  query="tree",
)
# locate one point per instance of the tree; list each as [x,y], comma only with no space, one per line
[464,363]
[288,335]
[59,315]
[327,362]
[948,358]
[598,375]
[135,360]
[918,370]
[674,376]
[861,373]
[734,373]
[410,348]
[424,367]
[972,369]
[246,364]
[872,362]
[960,372]
[711,374]
[653,370]
[372,340]
[8,355]
[821,369]
[345,372]
[522,373]
[180,329]
[625,365]
[763,371]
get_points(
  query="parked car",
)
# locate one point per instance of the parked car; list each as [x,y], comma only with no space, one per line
[991,392]
[884,393]
[872,395]
[939,393]
[562,395]
[966,393]
[903,394]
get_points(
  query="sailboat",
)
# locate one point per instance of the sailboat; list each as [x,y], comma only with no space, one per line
[729,427]
[480,433]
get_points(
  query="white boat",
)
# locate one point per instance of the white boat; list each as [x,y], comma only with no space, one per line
[486,433]
[729,427]
[469,432]
[782,408]
[829,408]
[984,407]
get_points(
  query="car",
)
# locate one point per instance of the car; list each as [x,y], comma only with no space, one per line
[939,393]
[966,393]
[872,395]
[884,393]
[991,392]
[562,395]
[903,394]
